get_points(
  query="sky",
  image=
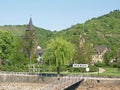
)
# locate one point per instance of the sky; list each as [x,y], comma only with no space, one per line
[53,14]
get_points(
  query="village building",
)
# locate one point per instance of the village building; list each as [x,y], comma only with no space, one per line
[99,52]
[82,41]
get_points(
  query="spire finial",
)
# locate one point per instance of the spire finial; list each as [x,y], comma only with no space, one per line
[30,25]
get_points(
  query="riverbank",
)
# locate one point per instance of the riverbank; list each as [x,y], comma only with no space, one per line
[105,87]
[99,85]
[83,86]
[36,82]
[20,86]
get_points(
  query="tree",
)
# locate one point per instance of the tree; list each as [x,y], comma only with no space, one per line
[59,52]
[6,40]
[30,42]
[18,56]
[108,57]
[83,52]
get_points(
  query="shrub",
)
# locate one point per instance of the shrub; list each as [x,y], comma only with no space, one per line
[93,68]
[99,64]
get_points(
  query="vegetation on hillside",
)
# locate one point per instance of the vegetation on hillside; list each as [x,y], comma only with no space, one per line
[103,30]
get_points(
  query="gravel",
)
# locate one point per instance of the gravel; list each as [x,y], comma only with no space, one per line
[21,86]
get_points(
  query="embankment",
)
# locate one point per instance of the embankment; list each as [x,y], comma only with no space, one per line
[25,78]
[99,84]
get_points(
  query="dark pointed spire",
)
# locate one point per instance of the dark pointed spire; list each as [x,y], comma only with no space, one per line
[30,25]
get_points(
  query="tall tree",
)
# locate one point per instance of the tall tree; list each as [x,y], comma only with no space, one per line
[6,40]
[18,56]
[59,52]
[83,52]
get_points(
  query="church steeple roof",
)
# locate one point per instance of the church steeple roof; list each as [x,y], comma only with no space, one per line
[30,25]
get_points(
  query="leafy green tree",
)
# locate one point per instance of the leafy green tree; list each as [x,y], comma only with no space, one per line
[29,43]
[83,54]
[18,55]
[58,53]
[107,58]
[6,46]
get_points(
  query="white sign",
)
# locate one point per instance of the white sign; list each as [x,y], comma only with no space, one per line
[87,69]
[80,65]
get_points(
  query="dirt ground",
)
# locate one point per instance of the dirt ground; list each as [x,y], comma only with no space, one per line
[38,86]
[99,88]
[20,86]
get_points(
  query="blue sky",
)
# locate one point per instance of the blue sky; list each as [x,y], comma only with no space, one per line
[53,14]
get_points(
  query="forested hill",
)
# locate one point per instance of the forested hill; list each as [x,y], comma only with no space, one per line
[19,30]
[103,30]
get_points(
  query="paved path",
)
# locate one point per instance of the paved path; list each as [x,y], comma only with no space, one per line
[63,83]
[101,70]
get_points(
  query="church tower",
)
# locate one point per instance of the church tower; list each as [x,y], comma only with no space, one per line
[82,41]
[30,40]
[30,25]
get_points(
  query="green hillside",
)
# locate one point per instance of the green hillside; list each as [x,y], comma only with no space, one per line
[104,30]
[19,31]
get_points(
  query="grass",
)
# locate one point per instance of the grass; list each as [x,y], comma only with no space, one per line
[109,72]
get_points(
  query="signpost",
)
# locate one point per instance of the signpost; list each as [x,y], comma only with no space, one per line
[87,69]
[80,65]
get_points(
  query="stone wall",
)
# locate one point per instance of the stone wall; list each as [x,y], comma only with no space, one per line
[25,78]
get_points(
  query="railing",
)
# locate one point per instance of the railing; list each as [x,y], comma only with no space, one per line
[62,83]
[19,73]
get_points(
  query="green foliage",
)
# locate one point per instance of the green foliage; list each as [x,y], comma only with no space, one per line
[18,56]
[93,68]
[115,64]
[19,30]
[110,72]
[15,68]
[83,54]
[99,64]
[6,40]
[104,30]
[58,53]
[107,58]
[29,43]
[43,36]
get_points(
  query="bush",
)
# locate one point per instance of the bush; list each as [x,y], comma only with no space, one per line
[15,68]
[115,64]
[99,64]
[93,68]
